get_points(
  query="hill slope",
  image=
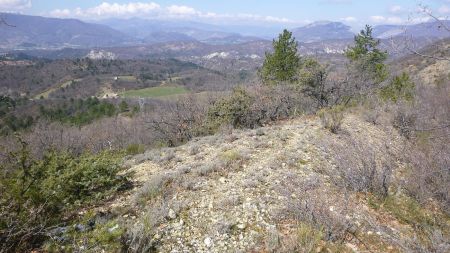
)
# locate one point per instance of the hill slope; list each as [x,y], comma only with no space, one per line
[429,30]
[272,190]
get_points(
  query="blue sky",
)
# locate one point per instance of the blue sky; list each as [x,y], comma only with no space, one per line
[285,12]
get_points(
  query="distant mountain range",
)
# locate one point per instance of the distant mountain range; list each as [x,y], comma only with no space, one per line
[157,31]
[430,30]
[322,31]
[33,32]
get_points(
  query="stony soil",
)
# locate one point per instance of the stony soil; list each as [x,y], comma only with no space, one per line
[248,191]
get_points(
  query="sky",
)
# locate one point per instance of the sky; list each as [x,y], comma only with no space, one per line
[355,13]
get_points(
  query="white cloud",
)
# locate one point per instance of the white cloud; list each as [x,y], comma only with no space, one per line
[349,19]
[377,19]
[14,5]
[181,10]
[387,20]
[155,11]
[115,9]
[105,10]
[61,13]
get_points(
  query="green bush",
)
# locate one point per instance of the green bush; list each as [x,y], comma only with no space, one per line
[232,110]
[103,238]
[123,106]
[400,88]
[39,194]
[80,112]
[10,119]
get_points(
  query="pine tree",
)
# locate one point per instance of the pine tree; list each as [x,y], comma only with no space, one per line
[281,65]
[366,57]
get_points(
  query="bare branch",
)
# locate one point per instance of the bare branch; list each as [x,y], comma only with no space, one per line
[425,55]
[408,39]
[429,13]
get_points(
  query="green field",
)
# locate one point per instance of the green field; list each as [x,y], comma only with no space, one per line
[155,92]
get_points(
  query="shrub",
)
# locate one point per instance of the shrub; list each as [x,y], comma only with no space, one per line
[428,175]
[308,238]
[332,118]
[430,226]
[408,211]
[38,194]
[231,110]
[176,122]
[231,156]
[79,112]
[404,121]
[313,78]
[134,149]
[152,188]
[123,106]
[82,238]
[358,167]
[400,88]
[139,236]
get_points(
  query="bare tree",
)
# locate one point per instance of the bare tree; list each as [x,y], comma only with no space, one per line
[179,121]
[409,41]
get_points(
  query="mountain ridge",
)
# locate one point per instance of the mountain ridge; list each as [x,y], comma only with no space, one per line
[35,31]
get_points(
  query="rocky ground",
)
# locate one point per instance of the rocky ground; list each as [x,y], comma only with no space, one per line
[281,188]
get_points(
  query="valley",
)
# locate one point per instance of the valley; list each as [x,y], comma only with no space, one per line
[148,127]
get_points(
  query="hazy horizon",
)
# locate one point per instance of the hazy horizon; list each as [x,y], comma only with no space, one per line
[284,13]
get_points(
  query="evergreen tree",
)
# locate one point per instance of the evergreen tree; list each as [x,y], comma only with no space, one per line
[281,65]
[123,106]
[366,57]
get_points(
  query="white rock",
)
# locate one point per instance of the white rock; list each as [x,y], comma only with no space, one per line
[208,242]
[172,215]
